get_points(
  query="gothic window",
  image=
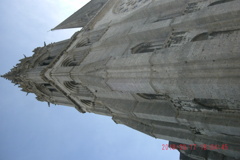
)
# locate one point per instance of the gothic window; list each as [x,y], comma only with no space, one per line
[152,96]
[87,102]
[52,89]
[69,62]
[129,5]
[192,7]
[218,104]
[50,57]
[83,43]
[78,89]
[200,37]
[220,2]
[47,61]
[49,87]
[72,86]
[147,47]
[43,89]
[44,64]
[177,39]
[207,36]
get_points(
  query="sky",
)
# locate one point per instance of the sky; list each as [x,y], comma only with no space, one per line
[30,129]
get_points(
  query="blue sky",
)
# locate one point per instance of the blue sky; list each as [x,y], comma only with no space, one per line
[30,129]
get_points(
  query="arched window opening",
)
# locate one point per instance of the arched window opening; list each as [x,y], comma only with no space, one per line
[52,89]
[72,86]
[88,103]
[207,36]
[218,104]
[44,63]
[201,37]
[49,87]
[50,57]
[44,90]
[177,39]
[47,61]
[78,89]
[147,47]
[152,96]
[219,2]
[84,42]
[69,62]
[192,7]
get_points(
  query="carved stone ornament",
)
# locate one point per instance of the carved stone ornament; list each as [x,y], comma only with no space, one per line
[129,5]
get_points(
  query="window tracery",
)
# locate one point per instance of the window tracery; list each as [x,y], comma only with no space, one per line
[147,47]
[69,62]
[124,6]
[83,43]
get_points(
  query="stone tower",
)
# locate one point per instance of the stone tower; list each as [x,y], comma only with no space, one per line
[167,68]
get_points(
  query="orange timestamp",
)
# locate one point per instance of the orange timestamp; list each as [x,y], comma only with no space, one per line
[194,146]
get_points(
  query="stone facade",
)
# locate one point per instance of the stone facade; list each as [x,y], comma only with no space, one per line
[167,68]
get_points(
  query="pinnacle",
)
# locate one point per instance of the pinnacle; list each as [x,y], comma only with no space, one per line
[5,76]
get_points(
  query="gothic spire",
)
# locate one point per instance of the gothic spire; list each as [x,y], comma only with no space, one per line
[9,75]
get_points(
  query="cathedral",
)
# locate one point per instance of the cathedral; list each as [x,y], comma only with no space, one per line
[167,68]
